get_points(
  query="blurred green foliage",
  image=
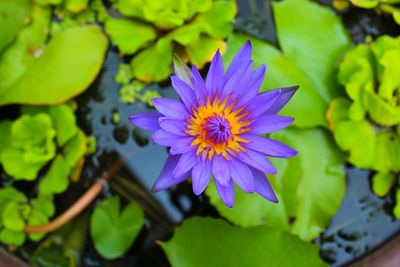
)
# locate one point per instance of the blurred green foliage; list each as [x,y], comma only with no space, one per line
[214,242]
[113,232]
[42,136]
[365,124]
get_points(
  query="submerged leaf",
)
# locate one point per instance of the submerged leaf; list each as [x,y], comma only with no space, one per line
[213,242]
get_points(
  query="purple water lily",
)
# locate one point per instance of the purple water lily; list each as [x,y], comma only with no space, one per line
[215,128]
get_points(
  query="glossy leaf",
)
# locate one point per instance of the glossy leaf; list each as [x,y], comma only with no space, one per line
[308,193]
[128,35]
[13,16]
[55,181]
[143,66]
[382,182]
[64,121]
[283,73]
[202,50]
[60,73]
[213,242]
[316,54]
[113,230]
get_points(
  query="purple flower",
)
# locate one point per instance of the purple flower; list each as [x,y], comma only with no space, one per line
[215,129]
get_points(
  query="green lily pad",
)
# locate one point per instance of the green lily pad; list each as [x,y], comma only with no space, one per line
[129,36]
[13,16]
[114,232]
[315,54]
[309,194]
[56,179]
[27,47]
[365,3]
[382,182]
[144,67]
[213,242]
[75,149]
[202,50]
[283,73]
[67,66]
[357,137]
[64,121]
[11,237]
[31,146]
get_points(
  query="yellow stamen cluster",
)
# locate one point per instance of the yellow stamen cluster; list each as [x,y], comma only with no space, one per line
[238,126]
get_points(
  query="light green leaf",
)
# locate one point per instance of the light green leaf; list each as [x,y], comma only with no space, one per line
[129,36]
[114,232]
[11,237]
[186,34]
[357,137]
[27,47]
[308,193]
[75,149]
[283,73]
[31,146]
[397,207]
[67,66]
[213,242]
[48,2]
[64,121]
[76,6]
[338,111]
[13,16]
[396,16]
[44,204]
[130,92]
[37,218]
[202,50]
[380,111]
[10,194]
[153,63]
[387,152]
[5,129]
[12,217]
[316,54]
[382,182]
[124,74]
[56,179]
[365,3]
[215,24]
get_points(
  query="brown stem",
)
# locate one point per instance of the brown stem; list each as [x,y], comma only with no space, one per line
[84,201]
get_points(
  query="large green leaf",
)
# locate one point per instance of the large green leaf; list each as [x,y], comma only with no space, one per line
[282,72]
[129,35]
[314,43]
[309,186]
[213,242]
[27,47]
[67,66]
[13,16]
[114,232]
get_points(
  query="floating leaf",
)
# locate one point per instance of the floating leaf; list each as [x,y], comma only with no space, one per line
[31,146]
[317,54]
[114,232]
[64,121]
[12,217]
[382,182]
[124,74]
[338,111]
[129,35]
[5,128]
[37,218]
[67,66]
[308,193]
[75,149]
[213,242]
[56,179]
[11,237]
[10,194]
[76,6]
[27,47]
[144,67]
[283,73]
[202,50]
[13,16]
[365,3]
